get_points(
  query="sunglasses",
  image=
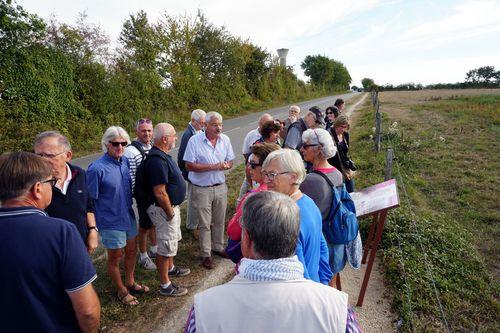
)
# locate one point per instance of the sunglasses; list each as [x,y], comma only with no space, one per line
[50,156]
[310,145]
[329,113]
[254,165]
[144,120]
[116,144]
[52,181]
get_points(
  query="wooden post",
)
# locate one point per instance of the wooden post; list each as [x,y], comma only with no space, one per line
[379,228]
[388,163]
[378,123]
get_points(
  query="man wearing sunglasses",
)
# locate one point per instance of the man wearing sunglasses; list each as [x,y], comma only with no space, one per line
[136,153]
[46,272]
[70,198]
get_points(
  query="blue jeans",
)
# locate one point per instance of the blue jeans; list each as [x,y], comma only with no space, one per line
[349,185]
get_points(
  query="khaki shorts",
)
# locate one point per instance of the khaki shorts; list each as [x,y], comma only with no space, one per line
[168,233]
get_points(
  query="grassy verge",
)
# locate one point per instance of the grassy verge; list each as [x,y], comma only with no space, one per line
[440,247]
[154,308]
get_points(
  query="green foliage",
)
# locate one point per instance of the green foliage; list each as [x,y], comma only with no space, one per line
[368,84]
[440,245]
[60,76]
[326,72]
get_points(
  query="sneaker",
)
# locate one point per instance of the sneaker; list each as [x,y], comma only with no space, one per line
[173,291]
[151,254]
[147,264]
[177,271]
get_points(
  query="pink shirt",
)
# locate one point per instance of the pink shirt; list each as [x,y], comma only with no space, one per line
[234,227]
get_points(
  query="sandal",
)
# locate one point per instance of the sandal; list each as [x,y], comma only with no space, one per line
[128,300]
[138,289]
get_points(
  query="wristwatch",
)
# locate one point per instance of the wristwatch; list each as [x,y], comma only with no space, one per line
[93,227]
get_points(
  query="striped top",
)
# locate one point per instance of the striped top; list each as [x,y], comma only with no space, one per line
[134,157]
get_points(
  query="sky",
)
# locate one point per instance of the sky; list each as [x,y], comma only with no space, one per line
[390,41]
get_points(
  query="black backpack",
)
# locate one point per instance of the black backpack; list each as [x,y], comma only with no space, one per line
[139,147]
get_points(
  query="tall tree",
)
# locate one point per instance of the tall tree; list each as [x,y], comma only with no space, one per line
[368,84]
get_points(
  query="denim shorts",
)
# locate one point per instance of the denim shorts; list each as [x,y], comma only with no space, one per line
[117,239]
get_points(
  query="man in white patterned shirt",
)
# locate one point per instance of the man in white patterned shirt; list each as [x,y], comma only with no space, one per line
[135,153]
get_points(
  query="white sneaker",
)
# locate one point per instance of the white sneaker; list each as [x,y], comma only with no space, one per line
[147,264]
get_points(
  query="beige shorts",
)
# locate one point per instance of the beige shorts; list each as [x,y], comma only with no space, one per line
[168,233]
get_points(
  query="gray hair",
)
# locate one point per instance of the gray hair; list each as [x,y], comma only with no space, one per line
[264,119]
[198,114]
[213,114]
[61,139]
[294,107]
[161,130]
[272,221]
[323,138]
[111,133]
[290,161]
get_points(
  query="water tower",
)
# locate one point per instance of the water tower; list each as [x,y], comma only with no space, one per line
[282,55]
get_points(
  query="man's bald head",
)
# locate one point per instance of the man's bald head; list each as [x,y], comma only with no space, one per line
[266,117]
[161,130]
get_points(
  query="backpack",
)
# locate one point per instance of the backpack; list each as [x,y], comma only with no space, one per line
[341,225]
[141,194]
[140,148]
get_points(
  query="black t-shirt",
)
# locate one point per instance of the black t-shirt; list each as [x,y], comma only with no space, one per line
[342,156]
[163,170]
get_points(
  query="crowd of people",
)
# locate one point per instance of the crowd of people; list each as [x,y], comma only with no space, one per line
[130,197]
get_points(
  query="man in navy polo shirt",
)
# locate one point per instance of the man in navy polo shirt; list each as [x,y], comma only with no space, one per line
[164,185]
[70,198]
[43,290]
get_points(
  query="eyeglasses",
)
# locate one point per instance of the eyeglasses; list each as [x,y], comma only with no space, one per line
[50,156]
[310,145]
[52,181]
[144,120]
[329,113]
[255,165]
[272,175]
[116,144]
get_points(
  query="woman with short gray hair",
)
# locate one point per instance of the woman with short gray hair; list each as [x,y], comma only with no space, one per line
[318,146]
[283,171]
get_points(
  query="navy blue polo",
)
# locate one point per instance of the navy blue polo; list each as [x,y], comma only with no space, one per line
[164,170]
[75,205]
[42,259]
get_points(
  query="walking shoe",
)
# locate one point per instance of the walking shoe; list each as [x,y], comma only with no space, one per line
[151,254]
[222,254]
[177,271]
[207,262]
[173,291]
[147,264]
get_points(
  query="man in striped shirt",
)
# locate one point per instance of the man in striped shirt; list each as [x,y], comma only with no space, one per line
[135,153]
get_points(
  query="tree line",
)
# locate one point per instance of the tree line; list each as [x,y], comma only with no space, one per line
[482,77]
[66,76]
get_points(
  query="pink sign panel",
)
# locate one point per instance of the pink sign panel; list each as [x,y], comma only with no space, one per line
[376,198]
